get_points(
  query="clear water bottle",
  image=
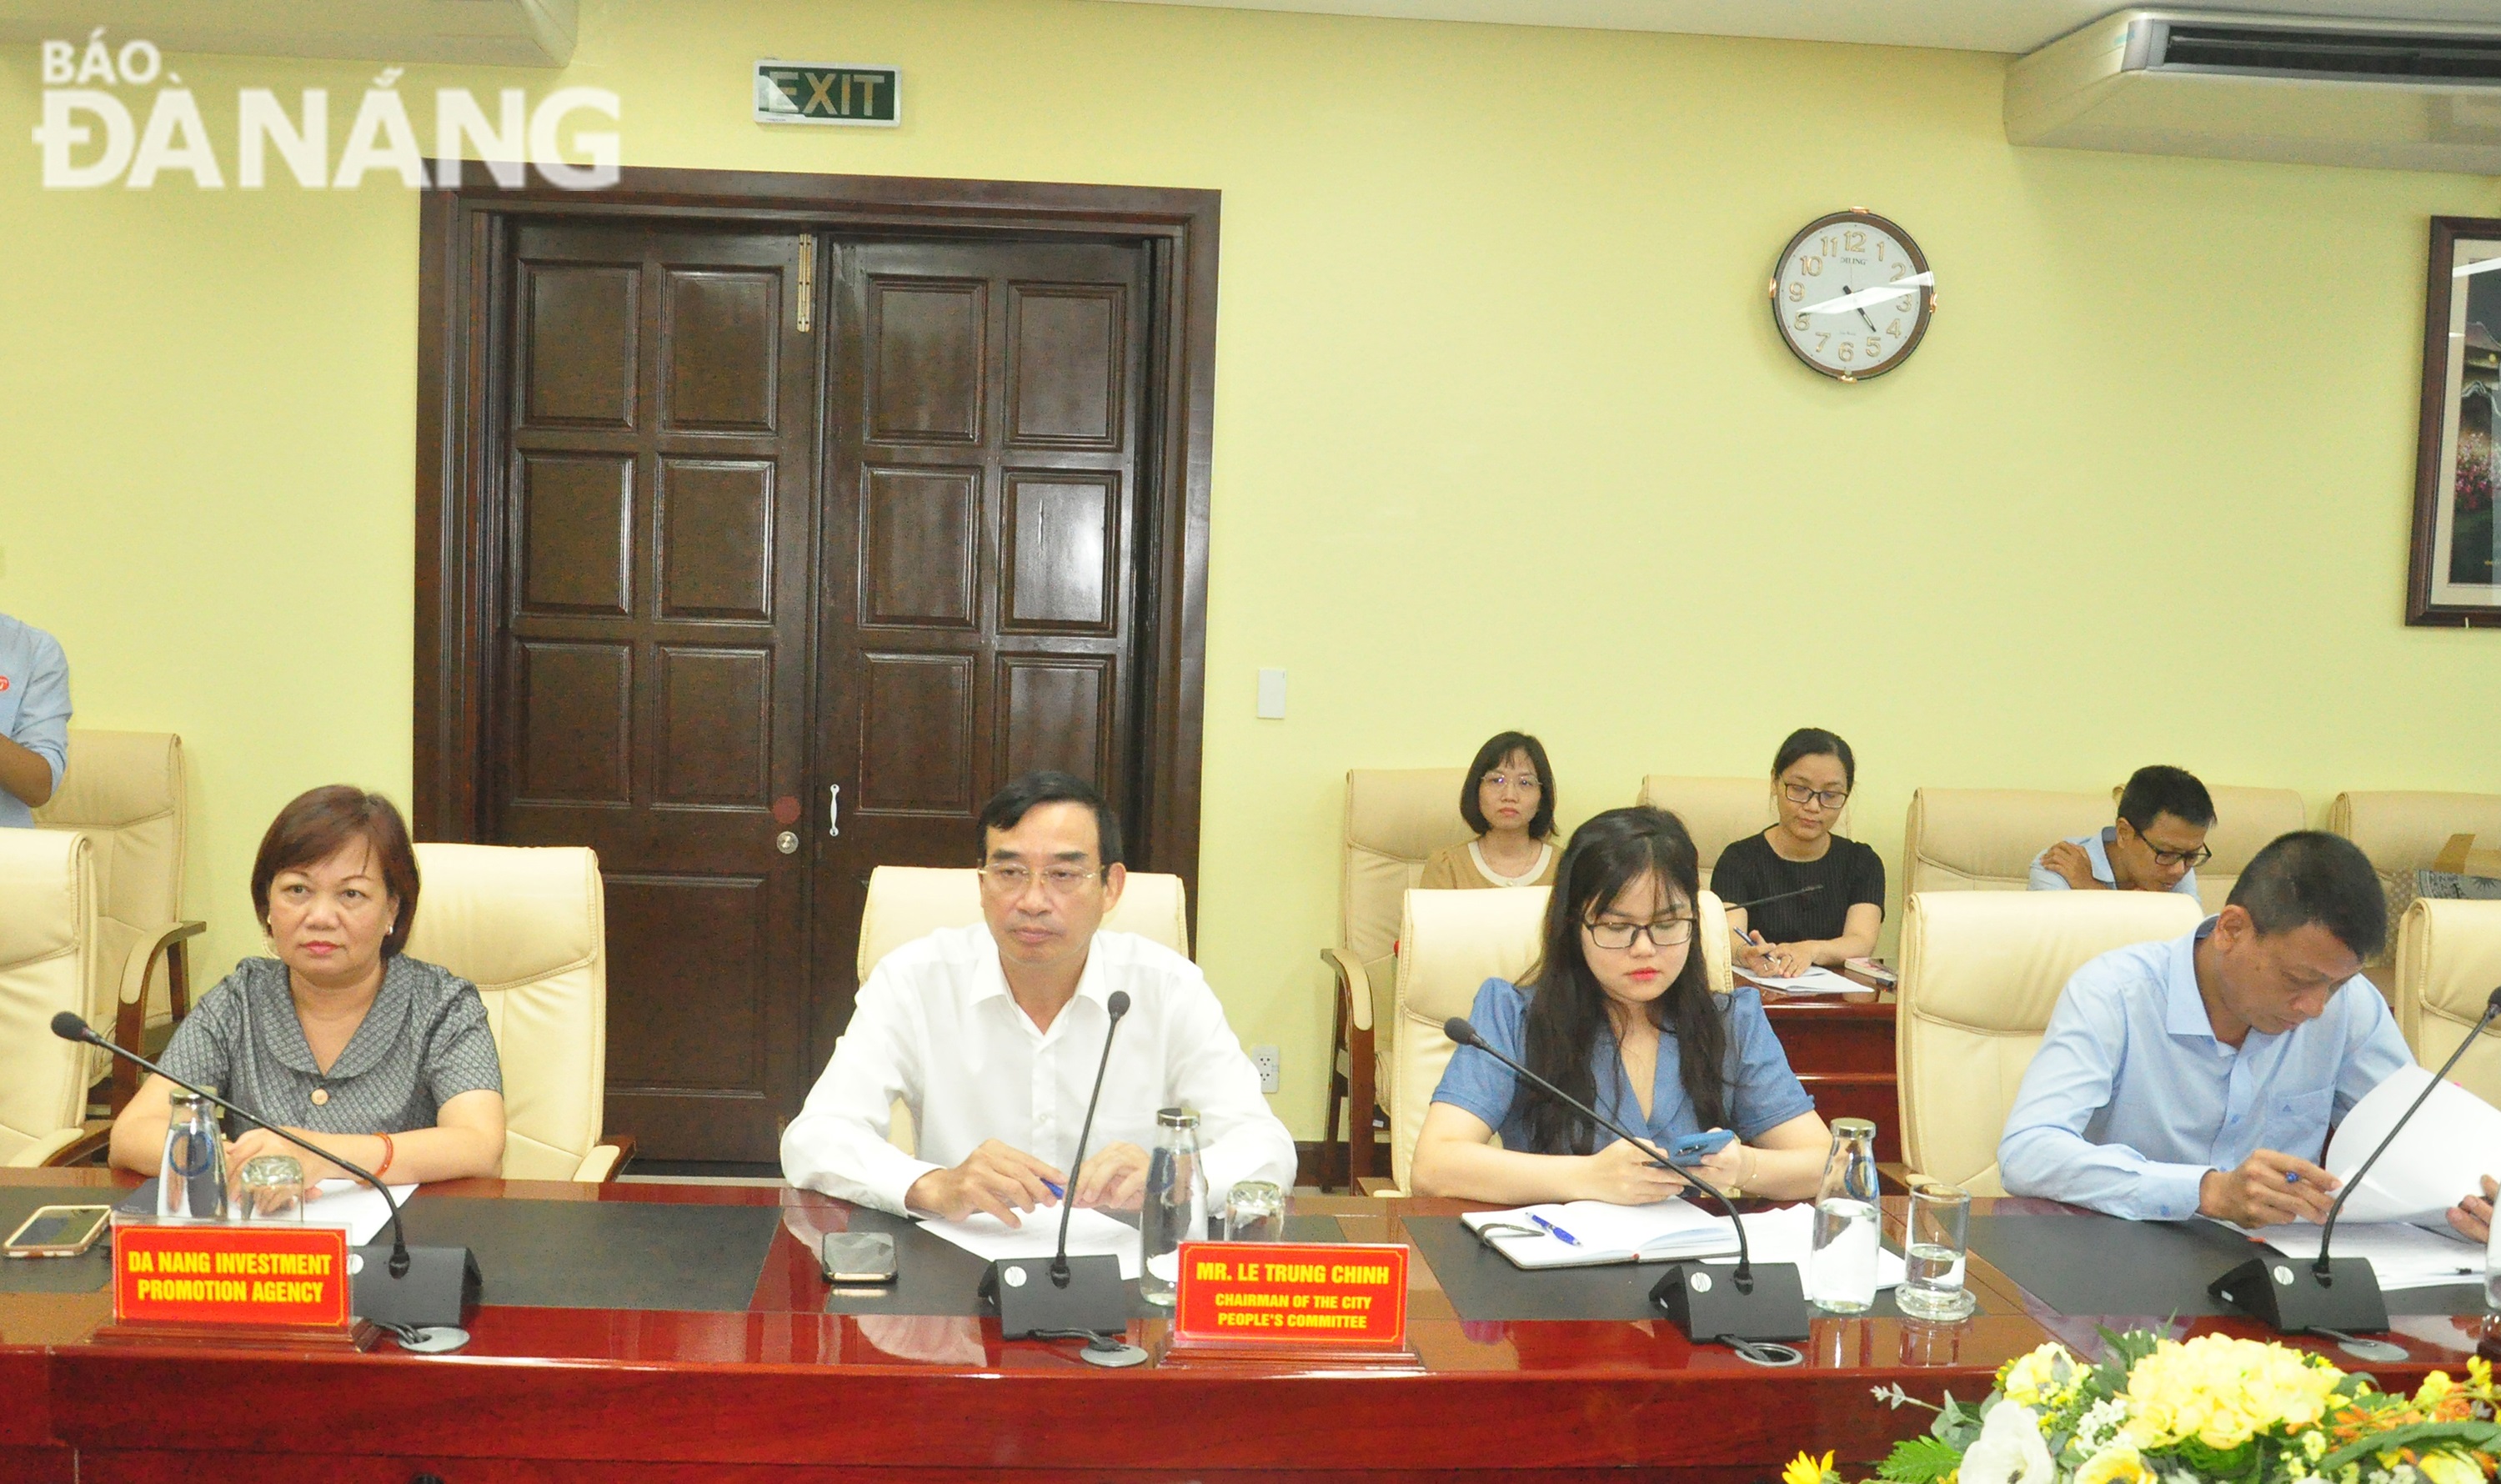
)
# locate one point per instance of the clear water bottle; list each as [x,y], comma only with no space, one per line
[1841,1273]
[192,1180]
[1176,1204]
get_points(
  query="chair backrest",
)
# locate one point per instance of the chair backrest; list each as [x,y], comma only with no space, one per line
[906,902]
[1718,812]
[2402,830]
[48,906]
[1451,942]
[2245,822]
[1985,839]
[2449,959]
[1395,818]
[1981,972]
[123,790]
[529,929]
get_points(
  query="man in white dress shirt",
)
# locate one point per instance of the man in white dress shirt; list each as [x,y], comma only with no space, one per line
[991,1036]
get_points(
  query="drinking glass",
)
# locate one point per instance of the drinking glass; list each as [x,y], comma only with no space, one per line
[272,1190]
[1939,1240]
[1254,1212]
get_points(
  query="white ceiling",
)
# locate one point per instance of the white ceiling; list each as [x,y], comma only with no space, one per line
[1966,25]
[511,33]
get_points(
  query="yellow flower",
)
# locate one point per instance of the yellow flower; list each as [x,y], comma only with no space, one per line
[1805,1469]
[2118,1464]
[2448,1468]
[2434,1387]
[2042,1379]
[2222,1392]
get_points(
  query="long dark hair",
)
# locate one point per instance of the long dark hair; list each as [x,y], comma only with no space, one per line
[1816,742]
[1567,1009]
[1498,750]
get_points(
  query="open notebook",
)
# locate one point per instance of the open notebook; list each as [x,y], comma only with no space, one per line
[1652,1233]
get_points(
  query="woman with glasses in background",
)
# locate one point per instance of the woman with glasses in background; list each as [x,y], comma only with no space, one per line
[1619,1014]
[1508,799]
[1838,885]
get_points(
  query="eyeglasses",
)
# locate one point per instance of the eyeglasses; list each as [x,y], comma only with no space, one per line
[1800,795]
[1525,782]
[1011,879]
[1667,933]
[2192,858]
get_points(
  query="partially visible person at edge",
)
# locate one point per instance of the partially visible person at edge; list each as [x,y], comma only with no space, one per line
[34,721]
[380,1059]
[2156,844]
[1508,799]
[1837,919]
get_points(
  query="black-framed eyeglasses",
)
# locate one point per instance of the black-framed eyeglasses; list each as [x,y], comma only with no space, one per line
[1525,782]
[1800,795]
[1057,880]
[2192,858]
[1667,933]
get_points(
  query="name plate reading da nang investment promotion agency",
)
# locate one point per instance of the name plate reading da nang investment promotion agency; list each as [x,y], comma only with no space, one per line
[828,92]
[254,1276]
[1292,1297]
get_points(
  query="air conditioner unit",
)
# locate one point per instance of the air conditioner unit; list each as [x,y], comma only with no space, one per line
[2384,94]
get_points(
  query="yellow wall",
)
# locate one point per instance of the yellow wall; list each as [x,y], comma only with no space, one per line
[1502,435]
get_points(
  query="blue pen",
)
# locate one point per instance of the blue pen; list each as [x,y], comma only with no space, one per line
[1056,1194]
[1555,1232]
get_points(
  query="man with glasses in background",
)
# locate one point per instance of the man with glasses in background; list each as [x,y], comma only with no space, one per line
[2156,846]
[991,1036]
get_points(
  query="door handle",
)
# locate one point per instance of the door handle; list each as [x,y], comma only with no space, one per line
[833,809]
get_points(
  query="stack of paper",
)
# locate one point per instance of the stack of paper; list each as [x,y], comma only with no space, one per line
[2401,1256]
[1651,1233]
[354,1205]
[2435,1161]
[1817,980]
[1090,1233]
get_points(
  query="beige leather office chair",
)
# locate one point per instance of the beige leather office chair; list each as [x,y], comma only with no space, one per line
[1985,839]
[2401,831]
[1451,942]
[123,791]
[1981,972]
[2449,959]
[1718,812]
[2245,822]
[529,929]
[1395,818]
[47,942]
[906,902]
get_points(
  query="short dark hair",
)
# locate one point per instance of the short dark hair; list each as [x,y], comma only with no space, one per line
[1009,806]
[2311,876]
[1816,742]
[1499,745]
[318,825]
[2162,790]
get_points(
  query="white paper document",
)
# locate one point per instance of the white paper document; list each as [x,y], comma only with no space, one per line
[2401,1256]
[1662,1232]
[1090,1234]
[1817,980]
[2436,1160]
[354,1205]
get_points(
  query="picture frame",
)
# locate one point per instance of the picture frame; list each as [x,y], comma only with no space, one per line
[2453,569]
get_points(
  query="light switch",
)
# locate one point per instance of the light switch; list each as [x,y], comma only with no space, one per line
[1272,696]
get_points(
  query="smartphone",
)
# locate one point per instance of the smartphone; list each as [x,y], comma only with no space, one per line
[857,1257]
[1695,1146]
[58,1231]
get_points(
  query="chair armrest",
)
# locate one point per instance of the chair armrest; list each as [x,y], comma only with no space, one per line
[87,1148]
[1380,1185]
[143,952]
[605,1160]
[53,1149]
[1353,986]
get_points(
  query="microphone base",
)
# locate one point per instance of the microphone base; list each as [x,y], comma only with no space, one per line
[1703,1300]
[440,1289]
[1030,1302]
[2287,1294]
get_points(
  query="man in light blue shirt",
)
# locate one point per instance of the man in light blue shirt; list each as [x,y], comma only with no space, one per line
[2156,846]
[34,720]
[2200,1076]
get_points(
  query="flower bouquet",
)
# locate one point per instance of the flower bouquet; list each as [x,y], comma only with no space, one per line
[2161,1412]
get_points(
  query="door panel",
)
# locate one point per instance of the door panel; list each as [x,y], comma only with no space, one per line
[657,675]
[979,621]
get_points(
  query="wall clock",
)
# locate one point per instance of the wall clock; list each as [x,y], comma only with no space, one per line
[1853,295]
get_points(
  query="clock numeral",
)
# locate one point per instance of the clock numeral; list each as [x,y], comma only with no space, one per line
[1801,325]
[1846,352]
[1875,348]
[1901,271]
[1894,329]
[1880,248]
[1811,265]
[1797,290]
[1825,336]
[1828,246]
[1853,240]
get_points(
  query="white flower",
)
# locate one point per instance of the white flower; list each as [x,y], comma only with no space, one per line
[2100,1424]
[2009,1450]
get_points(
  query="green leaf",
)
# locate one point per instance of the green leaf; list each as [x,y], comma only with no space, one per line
[1919,1460]
[2482,1437]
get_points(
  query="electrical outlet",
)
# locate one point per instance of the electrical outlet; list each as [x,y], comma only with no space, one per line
[1271,1073]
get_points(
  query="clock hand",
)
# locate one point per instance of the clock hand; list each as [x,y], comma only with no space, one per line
[1848,301]
[1862,315]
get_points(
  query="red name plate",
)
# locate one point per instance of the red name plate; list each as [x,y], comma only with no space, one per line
[230,1275]
[1292,1295]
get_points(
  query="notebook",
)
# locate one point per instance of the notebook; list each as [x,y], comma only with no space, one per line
[1601,1233]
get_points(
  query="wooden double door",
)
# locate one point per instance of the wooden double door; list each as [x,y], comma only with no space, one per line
[810,543]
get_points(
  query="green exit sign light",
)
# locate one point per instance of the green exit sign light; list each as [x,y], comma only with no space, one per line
[828,92]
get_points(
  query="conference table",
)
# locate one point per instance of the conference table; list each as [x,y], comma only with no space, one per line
[1841,1046]
[648,1332]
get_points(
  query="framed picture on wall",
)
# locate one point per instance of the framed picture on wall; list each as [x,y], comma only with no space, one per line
[2454,577]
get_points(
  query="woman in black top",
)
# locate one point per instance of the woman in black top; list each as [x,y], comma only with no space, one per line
[1811,780]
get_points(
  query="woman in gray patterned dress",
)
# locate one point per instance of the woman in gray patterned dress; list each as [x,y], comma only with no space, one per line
[379,1058]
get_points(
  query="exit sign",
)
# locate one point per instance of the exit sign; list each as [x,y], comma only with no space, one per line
[828,92]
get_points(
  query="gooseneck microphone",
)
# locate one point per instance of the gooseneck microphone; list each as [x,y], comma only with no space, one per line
[1119,1004]
[1768,1303]
[2332,1295]
[1738,906]
[447,1281]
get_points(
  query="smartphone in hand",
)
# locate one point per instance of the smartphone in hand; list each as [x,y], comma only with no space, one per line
[1692,1148]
